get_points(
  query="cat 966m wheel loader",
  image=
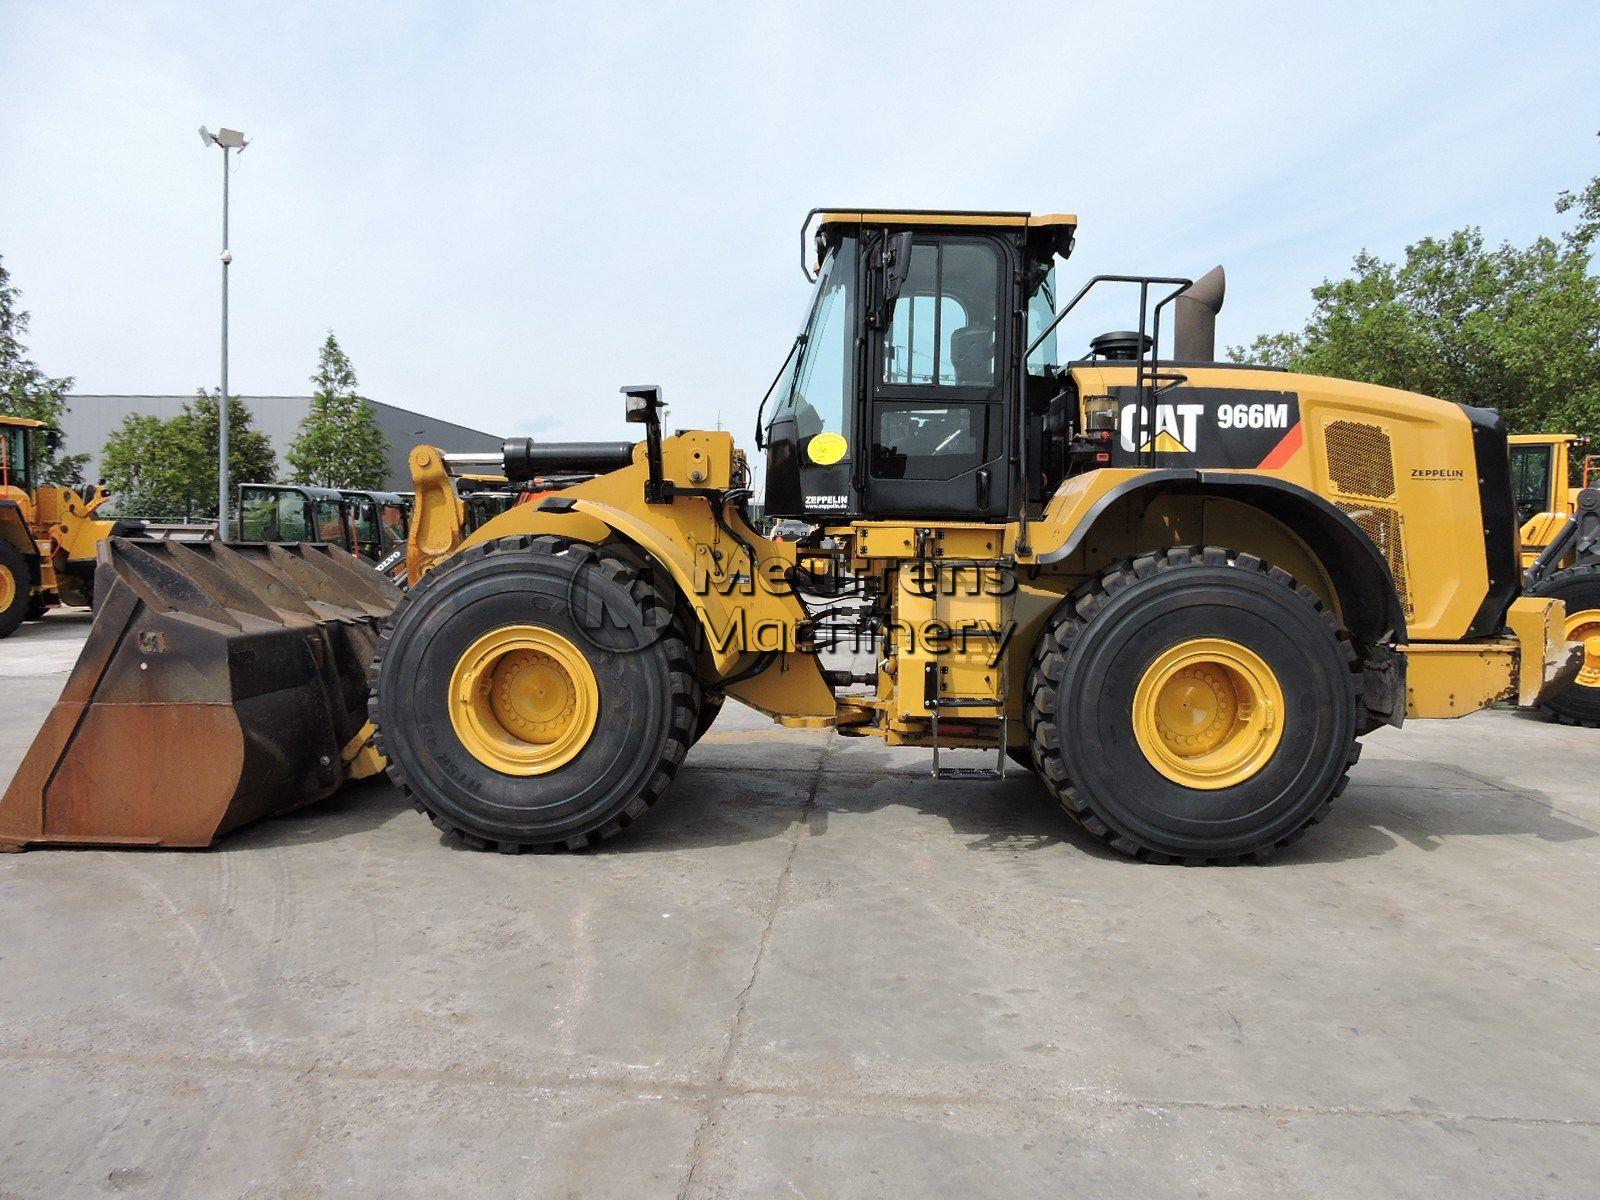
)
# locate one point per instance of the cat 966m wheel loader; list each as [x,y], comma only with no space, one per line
[1177,590]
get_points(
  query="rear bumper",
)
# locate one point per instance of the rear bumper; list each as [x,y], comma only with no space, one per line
[1531,660]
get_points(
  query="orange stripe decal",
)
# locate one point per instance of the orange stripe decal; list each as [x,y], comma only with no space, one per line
[1285,449]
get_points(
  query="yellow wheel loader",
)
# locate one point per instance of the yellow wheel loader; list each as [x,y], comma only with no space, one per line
[48,535]
[1178,591]
[1561,555]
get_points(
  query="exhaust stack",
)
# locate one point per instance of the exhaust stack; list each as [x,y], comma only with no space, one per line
[1195,333]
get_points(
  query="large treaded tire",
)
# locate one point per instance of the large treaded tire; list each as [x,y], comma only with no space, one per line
[1580,587]
[710,706]
[649,699]
[15,566]
[1088,663]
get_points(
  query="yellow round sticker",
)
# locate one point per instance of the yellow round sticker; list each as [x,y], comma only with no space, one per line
[827,449]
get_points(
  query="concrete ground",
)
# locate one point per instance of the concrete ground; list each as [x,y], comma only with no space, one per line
[811,972]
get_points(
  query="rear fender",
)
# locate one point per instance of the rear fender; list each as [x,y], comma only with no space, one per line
[1354,567]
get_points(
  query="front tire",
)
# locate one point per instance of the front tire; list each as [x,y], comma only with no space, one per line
[1579,702]
[533,694]
[1194,705]
[16,587]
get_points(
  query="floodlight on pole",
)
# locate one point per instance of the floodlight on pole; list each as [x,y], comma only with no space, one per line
[226,140]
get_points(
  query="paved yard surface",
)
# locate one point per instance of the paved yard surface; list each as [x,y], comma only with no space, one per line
[811,972]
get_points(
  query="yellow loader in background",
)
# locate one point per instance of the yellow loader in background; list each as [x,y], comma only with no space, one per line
[48,535]
[1178,591]
[1561,553]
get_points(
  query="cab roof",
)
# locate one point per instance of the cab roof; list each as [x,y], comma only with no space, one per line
[23,422]
[930,216]
[1056,230]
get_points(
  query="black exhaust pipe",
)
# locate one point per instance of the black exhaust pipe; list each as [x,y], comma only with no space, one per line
[525,458]
[1194,337]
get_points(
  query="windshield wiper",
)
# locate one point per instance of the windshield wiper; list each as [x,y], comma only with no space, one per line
[800,340]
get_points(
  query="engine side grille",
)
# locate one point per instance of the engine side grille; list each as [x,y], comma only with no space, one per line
[1360,459]
[1385,527]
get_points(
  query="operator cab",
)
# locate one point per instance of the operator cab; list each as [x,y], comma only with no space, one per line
[21,441]
[289,513]
[899,397]
[378,521]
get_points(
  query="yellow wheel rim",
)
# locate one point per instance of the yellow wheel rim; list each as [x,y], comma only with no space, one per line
[523,700]
[1584,626]
[8,589]
[1208,713]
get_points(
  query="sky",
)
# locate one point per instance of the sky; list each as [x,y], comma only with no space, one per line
[507,211]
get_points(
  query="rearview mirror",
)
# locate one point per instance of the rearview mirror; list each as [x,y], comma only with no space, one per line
[52,440]
[896,265]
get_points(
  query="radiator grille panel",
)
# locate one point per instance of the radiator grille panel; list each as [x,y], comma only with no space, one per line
[1360,459]
[1385,527]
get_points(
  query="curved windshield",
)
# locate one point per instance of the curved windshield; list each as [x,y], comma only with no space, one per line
[816,390]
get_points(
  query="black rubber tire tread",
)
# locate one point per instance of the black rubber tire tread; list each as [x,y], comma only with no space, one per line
[1061,637]
[710,706]
[12,562]
[1579,586]
[685,697]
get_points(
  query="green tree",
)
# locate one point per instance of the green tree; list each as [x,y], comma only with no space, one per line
[250,455]
[145,468]
[338,443]
[1507,327]
[26,391]
[169,468]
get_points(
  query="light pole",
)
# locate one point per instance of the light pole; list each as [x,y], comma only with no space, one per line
[227,140]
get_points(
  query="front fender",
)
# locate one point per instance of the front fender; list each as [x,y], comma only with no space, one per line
[741,614]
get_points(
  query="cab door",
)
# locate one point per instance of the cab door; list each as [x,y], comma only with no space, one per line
[937,427]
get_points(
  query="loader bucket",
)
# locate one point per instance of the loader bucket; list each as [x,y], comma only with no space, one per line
[220,683]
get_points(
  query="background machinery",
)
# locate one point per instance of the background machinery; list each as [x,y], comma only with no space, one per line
[48,535]
[1561,553]
[368,524]
[1179,591]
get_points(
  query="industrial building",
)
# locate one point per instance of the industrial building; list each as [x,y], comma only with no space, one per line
[91,419]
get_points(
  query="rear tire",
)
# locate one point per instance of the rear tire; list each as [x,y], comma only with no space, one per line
[16,588]
[1579,702]
[1123,766]
[643,697]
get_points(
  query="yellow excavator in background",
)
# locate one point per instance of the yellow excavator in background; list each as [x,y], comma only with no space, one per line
[1178,591]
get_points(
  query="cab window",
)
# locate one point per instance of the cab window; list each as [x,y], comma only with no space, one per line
[272,515]
[392,517]
[364,520]
[943,327]
[330,523]
[1041,311]
[935,416]
[822,373]
[13,456]
[1530,480]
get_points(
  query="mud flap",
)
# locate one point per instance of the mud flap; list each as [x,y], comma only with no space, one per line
[220,683]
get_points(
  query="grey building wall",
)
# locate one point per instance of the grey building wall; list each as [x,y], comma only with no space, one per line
[90,420]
